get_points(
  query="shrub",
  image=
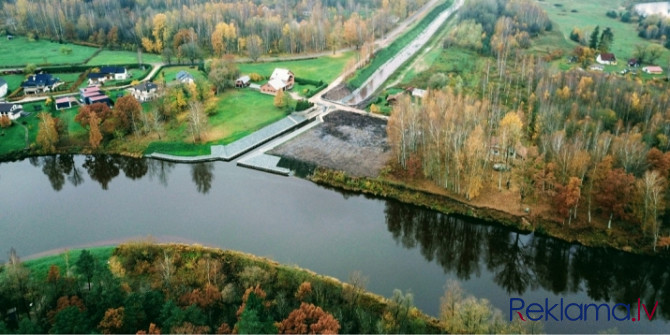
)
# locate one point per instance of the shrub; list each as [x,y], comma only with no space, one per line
[612,14]
[302,105]
[256,77]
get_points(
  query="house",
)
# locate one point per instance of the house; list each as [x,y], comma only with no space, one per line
[10,37]
[39,83]
[108,73]
[64,103]
[100,99]
[606,59]
[653,69]
[3,88]
[86,97]
[281,79]
[243,81]
[184,77]
[88,92]
[596,67]
[13,111]
[633,62]
[419,93]
[144,91]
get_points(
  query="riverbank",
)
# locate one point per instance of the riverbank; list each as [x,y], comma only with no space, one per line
[203,287]
[415,194]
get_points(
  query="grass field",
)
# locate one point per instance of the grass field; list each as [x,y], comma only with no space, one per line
[14,138]
[40,267]
[109,57]
[13,81]
[38,52]
[323,68]
[588,15]
[240,112]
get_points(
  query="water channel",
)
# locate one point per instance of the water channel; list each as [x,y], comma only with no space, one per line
[71,201]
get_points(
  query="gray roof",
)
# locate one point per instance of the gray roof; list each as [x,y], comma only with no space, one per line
[5,108]
[181,75]
[145,86]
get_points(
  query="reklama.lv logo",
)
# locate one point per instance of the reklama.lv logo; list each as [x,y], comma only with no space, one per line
[577,312]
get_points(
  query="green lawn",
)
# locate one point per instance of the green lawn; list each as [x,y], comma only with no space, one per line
[323,68]
[591,13]
[13,81]
[39,52]
[13,138]
[109,57]
[240,112]
[40,267]
[170,73]
[68,78]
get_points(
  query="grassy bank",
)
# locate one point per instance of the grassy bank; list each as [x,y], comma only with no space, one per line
[41,52]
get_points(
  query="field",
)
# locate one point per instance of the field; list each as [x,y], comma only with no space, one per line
[40,266]
[322,68]
[13,81]
[385,54]
[346,141]
[109,57]
[40,52]
[586,15]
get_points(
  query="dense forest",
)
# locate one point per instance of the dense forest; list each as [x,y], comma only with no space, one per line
[179,27]
[146,288]
[593,146]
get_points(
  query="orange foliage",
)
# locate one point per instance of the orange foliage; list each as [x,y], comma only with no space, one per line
[309,319]
[203,298]
[112,322]
[65,302]
[54,274]
[224,329]
[189,328]
[304,291]
[258,292]
[153,329]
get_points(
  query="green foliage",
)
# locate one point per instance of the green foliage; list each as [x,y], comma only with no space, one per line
[71,320]
[255,319]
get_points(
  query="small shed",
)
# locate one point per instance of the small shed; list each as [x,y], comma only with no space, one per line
[243,81]
[64,103]
[100,99]
[184,77]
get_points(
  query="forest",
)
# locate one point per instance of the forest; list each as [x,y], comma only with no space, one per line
[141,287]
[589,146]
[179,28]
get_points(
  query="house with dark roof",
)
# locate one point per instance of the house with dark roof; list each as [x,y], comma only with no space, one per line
[3,88]
[13,111]
[65,102]
[606,59]
[108,73]
[144,91]
[40,83]
[183,77]
[100,99]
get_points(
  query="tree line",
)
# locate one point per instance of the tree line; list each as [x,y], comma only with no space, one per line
[178,28]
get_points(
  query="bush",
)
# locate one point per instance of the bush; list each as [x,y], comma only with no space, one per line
[256,77]
[438,80]
[302,105]
[612,14]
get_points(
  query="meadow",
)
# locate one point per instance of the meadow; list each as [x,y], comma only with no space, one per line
[114,57]
[21,51]
[323,68]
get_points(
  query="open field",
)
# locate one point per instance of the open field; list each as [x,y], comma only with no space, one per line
[40,267]
[39,52]
[322,68]
[171,72]
[109,57]
[13,81]
[346,141]
[586,15]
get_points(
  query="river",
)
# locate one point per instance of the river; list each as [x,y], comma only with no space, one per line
[57,202]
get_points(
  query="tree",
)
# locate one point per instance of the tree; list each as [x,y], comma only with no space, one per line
[197,120]
[86,266]
[94,134]
[29,69]
[593,40]
[222,73]
[130,109]
[309,319]
[254,47]
[567,197]
[190,50]
[5,121]
[510,135]
[652,190]
[47,134]
[112,322]
[613,194]
[280,101]
[640,53]
[654,52]
[606,40]
[254,317]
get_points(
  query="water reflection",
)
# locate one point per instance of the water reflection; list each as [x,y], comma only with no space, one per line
[520,263]
[203,175]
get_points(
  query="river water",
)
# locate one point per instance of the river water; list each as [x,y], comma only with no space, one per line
[57,202]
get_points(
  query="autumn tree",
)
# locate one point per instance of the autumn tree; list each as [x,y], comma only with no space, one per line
[112,322]
[197,120]
[652,191]
[94,134]
[510,135]
[5,121]
[355,31]
[614,194]
[222,35]
[47,134]
[309,319]
[254,47]
[222,73]
[280,100]
[567,197]
[130,109]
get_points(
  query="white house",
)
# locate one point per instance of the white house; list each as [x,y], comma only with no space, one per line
[13,111]
[281,79]
[606,59]
[184,77]
[3,88]
[108,73]
[38,83]
[144,91]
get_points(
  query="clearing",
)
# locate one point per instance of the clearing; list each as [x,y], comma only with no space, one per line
[345,141]
[109,57]
[170,72]
[40,52]
[323,68]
